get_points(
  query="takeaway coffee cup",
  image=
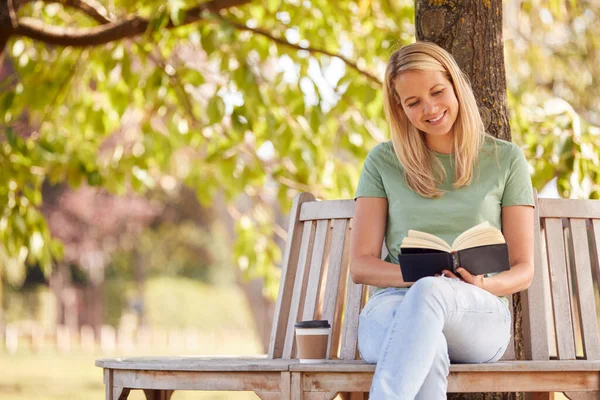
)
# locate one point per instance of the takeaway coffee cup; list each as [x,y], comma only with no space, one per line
[312,340]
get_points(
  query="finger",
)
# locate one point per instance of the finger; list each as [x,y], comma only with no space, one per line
[449,274]
[466,275]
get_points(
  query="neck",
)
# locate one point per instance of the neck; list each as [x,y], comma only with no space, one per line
[441,144]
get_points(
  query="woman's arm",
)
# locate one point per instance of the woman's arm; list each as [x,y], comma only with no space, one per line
[517,227]
[368,230]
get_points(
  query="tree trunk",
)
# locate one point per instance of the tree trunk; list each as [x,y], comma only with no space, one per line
[472,31]
[6,28]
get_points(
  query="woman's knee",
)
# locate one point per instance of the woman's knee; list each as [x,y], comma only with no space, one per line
[427,287]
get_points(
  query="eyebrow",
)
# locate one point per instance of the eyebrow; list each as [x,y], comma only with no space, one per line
[412,97]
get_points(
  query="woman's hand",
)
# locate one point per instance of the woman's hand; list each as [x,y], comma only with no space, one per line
[477,280]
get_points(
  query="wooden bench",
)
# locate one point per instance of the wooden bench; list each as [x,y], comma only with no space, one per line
[559,326]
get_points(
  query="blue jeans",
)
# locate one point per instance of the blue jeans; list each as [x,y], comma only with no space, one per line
[414,334]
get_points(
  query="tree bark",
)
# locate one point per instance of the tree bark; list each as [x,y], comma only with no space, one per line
[472,32]
[6,28]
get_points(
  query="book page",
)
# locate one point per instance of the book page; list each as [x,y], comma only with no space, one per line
[425,242]
[478,237]
[470,232]
[428,236]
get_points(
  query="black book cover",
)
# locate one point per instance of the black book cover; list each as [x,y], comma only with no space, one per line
[417,263]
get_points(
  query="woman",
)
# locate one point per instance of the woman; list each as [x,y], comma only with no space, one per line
[442,174]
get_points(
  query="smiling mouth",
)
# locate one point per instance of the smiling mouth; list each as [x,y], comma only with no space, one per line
[436,119]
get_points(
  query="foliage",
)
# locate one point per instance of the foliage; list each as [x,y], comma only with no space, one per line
[250,100]
[554,111]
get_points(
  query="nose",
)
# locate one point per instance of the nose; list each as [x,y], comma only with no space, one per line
[430,107]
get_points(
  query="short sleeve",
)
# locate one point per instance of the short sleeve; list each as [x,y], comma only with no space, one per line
[518,189]
[370,183]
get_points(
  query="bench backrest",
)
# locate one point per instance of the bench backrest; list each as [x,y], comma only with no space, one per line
[559,309]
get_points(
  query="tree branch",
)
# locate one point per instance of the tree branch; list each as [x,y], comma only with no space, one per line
[313,50]
[109,32]
[90,7]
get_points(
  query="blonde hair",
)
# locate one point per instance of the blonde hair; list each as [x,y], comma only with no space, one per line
[423,172]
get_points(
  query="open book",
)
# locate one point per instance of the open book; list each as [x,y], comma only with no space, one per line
[480,250]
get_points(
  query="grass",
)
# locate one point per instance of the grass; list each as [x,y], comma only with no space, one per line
[219,313]
[54,376]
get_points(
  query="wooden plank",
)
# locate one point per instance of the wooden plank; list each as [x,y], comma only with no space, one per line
[561,208]
[191,380]
[341,295]
[296,386]
[108,384]
[509,354]
[596,250]
[501,366]
[335,264]
[466,382]
[199,364]
[331,209]
[333,277]
[286,385]
[470,382]
[324,273]
[120,393]
[583,395]
[299,288]
[288,272]
[350,328]
[314,274]
[158,394]
[533,301]
[540,396]
[573,301]
[268,395]
[585,290]
[565,340]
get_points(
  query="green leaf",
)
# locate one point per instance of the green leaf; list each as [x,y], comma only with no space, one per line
[273,6]
[192,77]
[216,109]
[11,137]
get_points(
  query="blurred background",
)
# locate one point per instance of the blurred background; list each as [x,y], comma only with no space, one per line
[146,178]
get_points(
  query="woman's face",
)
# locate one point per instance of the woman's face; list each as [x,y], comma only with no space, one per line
[428,100]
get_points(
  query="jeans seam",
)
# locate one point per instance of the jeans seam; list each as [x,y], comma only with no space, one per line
[393,330]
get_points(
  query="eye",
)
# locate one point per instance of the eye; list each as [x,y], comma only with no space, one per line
[413,103]
[438,92]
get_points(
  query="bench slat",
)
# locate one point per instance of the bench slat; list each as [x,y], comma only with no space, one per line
[534,300]
[331,209]
[308,236]
[561,208]
[333,273]
[509,354]
[350,329]
[560,289]
[288,273]
[596,250]
[585,290]
[341,294]
[316,265]
[517,366]
[220,363]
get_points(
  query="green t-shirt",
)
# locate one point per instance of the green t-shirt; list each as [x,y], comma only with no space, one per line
[500,178]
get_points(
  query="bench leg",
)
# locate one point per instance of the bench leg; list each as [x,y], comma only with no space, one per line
[539,396]
[582,395]
[120,393]
[157,394]
[354,396]
[297,390]
[269,395]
